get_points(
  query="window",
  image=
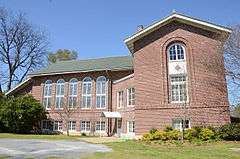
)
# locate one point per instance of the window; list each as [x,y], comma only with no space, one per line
[72,99]
[120,99]
[60,93]
[47,125]
[176,52]
[178,89]
[57,126]
[178,124]
[47,94]
[85,126]
[87,92]
[101,92]
[72,125]
[131,97]
[130,126]
[100,126]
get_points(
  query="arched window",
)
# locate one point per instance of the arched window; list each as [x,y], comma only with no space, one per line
[72,98]
[60,93]
[176,52]
[47,94]
[101,92]
[86,92]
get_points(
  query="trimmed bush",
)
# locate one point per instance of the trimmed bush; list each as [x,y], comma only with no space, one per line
[229,132]
[173,135]
[191,134]
[206,134]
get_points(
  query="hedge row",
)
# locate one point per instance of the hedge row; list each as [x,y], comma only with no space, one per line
[225,132]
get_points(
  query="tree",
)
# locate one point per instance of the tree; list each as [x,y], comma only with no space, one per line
[62,55]
[22,47]
[65,114]
[21,114]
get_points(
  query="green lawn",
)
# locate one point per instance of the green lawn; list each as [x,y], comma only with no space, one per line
[140,150]
[32,136]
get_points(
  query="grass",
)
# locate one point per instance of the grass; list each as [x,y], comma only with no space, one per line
[141,150]
[33,136]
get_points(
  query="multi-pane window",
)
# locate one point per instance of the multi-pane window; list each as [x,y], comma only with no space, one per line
[60,93]
[57,126]
[178,124]
[119,99]
[72,125]
[47,125]
[85,126]
[72,98]
[101,92]
[86,92]
[178,89]
[100,126]
[176,52]
[47,94]
[130,126]
[130,96]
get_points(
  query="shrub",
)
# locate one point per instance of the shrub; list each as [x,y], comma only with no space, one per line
[153,130]
[206,134]
[21,114]
[83,134]
[160,135]
[229,132]
[191,134]
[173,135]
[168,128]
[147,137]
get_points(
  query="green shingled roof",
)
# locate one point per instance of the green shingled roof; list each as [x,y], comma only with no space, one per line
[108,63]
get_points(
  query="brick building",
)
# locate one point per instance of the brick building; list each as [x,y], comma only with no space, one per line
[175,71]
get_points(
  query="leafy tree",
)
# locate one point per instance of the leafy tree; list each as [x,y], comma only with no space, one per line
[21,114]
[62,55]
[23,47]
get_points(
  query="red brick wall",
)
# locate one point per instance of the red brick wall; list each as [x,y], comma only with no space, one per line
[126,111]
[208,102]
[92,114]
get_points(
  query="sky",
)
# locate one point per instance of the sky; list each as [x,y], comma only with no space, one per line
[98,28]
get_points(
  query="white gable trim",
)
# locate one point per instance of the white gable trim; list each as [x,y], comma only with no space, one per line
[202,24]
[18,86]
[123,79]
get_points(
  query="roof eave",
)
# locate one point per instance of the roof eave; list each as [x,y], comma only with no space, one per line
[192,21]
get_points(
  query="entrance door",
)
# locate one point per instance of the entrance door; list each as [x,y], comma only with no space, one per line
[119,127]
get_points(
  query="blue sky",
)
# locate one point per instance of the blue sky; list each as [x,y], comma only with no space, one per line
[98,28]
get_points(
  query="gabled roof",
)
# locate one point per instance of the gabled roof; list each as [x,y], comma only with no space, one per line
[75,66]
[175,17]
[19,86]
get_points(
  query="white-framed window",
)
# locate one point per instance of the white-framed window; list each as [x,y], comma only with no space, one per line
[131,126]
[178,124]
[120,99]
[72,98]
[47,94]
[72,125]
[57,126]
[85,126]
[176,52]
[60,93]
[101,86]
[100,126]
[178,89]
[86,92]
[130,97]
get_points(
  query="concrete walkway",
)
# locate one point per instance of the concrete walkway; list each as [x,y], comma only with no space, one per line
[40,148]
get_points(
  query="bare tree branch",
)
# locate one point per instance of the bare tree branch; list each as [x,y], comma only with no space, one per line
[23,47]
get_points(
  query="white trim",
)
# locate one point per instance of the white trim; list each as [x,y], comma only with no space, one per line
[17,86]
[83,71]
[128,97]
[111,115]
[124,78]
[130,40]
